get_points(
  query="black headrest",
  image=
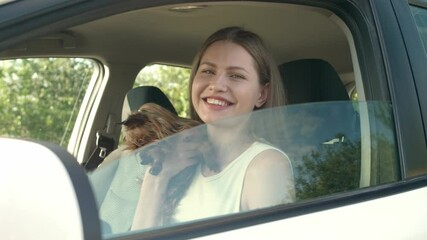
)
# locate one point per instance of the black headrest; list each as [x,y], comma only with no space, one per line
[312,80]
[148,94]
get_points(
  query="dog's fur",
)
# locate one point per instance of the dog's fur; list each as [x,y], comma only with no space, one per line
[150,124]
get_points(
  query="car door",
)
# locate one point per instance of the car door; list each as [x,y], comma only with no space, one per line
[386,54]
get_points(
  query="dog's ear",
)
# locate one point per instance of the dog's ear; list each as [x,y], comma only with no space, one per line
[134,120]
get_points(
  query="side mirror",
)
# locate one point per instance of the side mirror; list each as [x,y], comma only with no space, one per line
[45,193]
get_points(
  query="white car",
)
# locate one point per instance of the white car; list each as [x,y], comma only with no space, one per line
[354,128]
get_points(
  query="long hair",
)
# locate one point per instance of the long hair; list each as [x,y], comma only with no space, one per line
[266,66]
[150,124]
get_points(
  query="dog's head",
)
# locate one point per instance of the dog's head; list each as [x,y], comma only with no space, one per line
[151,123]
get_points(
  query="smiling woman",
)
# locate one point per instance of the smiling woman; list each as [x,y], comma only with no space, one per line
[228,80]
[346,150]
[216,72]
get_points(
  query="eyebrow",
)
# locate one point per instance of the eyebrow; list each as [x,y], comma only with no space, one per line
[228,68]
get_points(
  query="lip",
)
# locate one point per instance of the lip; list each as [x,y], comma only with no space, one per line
[216,102]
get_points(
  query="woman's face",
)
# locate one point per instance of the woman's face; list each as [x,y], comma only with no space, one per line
[226,83]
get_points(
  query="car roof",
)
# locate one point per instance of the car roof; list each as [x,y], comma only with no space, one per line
[173,33]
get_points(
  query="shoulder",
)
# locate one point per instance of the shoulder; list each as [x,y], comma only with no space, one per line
[269,164]
[268,180]
[270,159]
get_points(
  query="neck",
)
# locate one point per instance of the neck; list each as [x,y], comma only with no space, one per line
[226,146]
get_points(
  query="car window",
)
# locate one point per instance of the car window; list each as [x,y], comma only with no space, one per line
[420,17]
[160,75]
[323,142]
[332,145]
[3,2]
[40,98]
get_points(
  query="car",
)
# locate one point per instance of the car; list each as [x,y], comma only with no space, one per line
[354,127]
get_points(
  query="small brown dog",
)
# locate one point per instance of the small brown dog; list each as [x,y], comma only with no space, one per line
[150,124]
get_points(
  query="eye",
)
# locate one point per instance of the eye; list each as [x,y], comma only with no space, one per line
[207,71]
[237,76]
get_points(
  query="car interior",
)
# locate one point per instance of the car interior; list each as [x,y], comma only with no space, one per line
[72,207]
[313,47]
[126,42]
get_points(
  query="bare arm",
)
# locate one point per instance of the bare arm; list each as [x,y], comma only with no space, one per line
[148,212]
[151,198]
[268,181]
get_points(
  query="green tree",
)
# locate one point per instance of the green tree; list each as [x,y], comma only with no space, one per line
[173,81]
[331,169]
[40,98]
[336,168]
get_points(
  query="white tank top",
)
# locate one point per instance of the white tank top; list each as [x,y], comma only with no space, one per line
[218,194]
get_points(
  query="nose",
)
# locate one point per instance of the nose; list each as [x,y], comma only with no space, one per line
[218,83]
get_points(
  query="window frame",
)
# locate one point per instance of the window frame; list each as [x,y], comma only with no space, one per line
[377,66]
[264,216]
[79,139]
[400,75]
[418,59]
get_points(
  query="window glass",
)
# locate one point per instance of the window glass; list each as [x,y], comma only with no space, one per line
[420,16]
[2,2]
[172,80]
[322,141]
[41,97]
[327,146]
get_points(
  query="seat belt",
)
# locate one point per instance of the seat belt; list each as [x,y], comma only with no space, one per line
[104,146]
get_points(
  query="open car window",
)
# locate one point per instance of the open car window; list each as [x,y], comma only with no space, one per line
[42,98]
[329,149]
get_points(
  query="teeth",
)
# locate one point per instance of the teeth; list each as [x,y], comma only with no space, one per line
[216,102]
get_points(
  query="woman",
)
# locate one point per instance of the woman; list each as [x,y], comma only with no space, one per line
[232,76]
[117,184]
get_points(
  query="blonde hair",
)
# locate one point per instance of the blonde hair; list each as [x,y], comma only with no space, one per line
[265,64]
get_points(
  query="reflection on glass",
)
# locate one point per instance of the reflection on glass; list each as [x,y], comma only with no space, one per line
[420,17]
[323,141]
[3,2]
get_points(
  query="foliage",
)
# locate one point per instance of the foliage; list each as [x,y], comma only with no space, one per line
[173,81]
[336,168]
[330,169]
[40,98]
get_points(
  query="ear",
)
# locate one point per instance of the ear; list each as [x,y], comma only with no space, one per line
[263,95]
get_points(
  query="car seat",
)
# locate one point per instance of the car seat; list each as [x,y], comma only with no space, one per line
[117,181]
[145,94]
[134,98]
[322,128]
[312,80]
[44,193]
